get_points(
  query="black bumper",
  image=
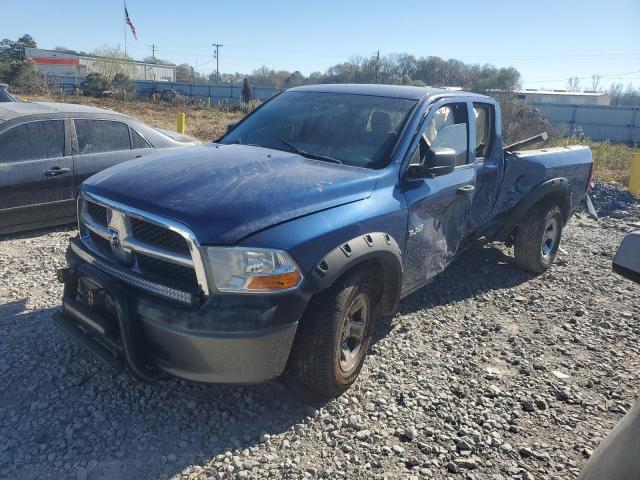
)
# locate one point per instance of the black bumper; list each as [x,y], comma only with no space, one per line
[226,339]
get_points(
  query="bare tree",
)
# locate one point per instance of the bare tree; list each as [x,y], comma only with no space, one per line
[573,84]
[595,82]
[112,60]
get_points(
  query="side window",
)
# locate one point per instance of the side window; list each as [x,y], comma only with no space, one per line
[449,129]
[96,136]
[33,141]
[137,141]
[484,121]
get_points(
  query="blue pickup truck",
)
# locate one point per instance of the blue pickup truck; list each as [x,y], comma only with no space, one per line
[272,250]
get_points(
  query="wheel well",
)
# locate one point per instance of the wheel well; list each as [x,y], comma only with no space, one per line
[387,281]
[560,199]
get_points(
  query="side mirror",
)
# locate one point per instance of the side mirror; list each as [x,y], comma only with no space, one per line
[440,161]
[230,126]
[627,259]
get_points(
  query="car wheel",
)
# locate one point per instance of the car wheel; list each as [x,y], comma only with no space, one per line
[334,335]
[538,238]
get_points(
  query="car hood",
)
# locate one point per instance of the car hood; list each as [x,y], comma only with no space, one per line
[224,193]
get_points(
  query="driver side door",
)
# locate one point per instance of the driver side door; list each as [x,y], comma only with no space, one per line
[438,207]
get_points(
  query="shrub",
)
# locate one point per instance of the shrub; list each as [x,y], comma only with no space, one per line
[24,77]
[96,85]
[520,120]
[123,86]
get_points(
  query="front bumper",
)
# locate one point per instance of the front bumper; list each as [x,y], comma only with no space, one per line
[227,339]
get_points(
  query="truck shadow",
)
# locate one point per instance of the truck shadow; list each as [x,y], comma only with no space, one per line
[61,406]
[477,270]
[119,427]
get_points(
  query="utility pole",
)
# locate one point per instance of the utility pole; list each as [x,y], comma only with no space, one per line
[377,65]
[153,51]
[216,54]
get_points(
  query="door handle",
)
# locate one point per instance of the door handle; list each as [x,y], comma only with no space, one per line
[55,171]
[138,156]
[466,189]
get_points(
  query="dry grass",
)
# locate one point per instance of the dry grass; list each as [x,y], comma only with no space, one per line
[610,161]
[202,123]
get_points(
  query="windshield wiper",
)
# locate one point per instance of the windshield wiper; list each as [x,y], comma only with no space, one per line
[306,154]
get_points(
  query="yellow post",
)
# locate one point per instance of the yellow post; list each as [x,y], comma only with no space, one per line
[182,122]
[634,175]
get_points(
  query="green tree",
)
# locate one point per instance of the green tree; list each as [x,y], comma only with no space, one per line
[23,76]
[27,40]
[123,86]
[95,84]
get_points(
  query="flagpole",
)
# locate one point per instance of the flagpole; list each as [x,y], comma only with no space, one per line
[124,24]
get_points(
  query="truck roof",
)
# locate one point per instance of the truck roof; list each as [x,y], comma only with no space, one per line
[11,110]
[396,91]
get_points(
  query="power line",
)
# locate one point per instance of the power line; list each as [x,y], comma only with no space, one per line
[609,75]
[217,57]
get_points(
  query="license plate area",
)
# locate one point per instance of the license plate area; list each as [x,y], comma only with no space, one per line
[100,304]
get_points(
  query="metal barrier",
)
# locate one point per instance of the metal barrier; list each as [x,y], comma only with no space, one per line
[598,122]
[208,94]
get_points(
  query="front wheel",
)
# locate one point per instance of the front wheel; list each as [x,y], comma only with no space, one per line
[334,336]
[538,238]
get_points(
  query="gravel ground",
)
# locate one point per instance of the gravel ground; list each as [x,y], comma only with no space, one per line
[489,372]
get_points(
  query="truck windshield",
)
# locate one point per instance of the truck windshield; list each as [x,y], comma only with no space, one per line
[357,130]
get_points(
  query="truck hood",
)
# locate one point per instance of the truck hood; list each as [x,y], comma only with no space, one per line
[225,192]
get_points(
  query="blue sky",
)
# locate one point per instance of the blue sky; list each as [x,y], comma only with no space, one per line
[547,41]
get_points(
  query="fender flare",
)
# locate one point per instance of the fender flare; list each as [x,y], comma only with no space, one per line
[377,246]
[555,186]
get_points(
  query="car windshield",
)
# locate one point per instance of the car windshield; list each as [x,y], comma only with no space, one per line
[357,130]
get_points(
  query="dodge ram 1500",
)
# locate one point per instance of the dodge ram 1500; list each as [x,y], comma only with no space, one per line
[272,249]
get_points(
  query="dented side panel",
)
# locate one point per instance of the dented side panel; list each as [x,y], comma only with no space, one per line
[526,170]
[437,215]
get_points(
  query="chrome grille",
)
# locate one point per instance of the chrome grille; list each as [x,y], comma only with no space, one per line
[141,243]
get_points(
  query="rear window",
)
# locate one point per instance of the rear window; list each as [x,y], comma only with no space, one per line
[98,136]
[33,141]
[137,141]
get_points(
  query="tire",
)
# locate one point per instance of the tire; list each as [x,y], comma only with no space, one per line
[538,237]
[318,361]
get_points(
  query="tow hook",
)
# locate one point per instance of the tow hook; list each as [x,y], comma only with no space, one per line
[64,274]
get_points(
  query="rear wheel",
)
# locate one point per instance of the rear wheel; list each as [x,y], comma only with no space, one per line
[538,237]
[334,336]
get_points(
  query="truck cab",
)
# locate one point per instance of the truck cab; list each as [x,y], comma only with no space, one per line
[273,249]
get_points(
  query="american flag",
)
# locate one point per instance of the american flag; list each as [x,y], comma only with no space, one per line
[128,22]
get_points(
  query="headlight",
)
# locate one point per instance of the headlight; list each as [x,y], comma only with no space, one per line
[252,269]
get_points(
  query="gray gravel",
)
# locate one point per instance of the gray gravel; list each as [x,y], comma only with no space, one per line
[489,372]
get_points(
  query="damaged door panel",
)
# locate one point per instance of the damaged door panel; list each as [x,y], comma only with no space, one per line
[438,205]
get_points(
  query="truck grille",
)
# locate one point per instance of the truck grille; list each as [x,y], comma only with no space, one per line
[159,236]
[177,274]
[141,244]
[98,213]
